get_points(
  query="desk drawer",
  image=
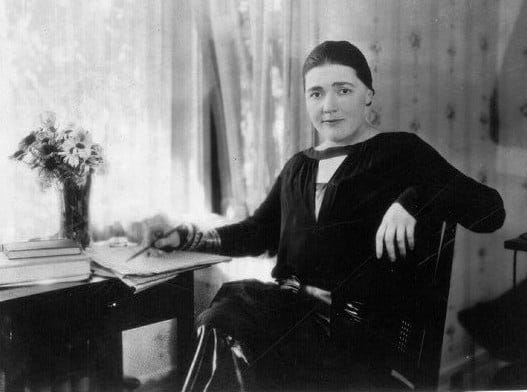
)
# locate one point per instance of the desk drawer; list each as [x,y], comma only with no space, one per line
[119,308]
[140,309]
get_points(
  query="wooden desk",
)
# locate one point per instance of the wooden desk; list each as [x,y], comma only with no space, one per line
[92,314]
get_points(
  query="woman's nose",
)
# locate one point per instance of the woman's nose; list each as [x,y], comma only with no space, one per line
[330,103]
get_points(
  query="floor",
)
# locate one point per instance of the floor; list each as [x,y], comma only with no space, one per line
[509,378]
[173,382]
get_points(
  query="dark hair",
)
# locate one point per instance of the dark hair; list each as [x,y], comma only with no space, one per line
[339,52]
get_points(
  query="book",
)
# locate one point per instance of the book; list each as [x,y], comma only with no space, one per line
[42,248]
[42,268]
[64,279]
[23,254]
[39,244]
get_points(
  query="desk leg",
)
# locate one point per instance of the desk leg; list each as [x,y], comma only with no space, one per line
[12,385]
[185,328]
[109,361]
[514,269]
[13,354]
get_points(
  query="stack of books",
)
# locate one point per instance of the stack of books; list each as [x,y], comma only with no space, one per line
[37,262]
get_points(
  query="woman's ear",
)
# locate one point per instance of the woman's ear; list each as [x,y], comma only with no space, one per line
[369,97]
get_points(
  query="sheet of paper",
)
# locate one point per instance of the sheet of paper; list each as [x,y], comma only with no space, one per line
[143,265]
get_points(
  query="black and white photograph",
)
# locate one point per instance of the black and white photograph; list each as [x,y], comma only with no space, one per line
[263,195]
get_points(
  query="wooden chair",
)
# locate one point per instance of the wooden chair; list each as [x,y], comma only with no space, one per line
[391,316]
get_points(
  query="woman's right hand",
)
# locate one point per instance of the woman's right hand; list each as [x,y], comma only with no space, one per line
[152,230]
[168,243]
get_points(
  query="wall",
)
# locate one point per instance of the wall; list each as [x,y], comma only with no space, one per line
[454,72]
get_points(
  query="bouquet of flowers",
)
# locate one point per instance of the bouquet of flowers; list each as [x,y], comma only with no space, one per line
[65,157]
[63,154]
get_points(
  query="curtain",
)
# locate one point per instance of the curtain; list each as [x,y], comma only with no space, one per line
[122,69]
[253,51]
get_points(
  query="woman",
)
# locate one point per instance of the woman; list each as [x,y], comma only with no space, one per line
[357,194]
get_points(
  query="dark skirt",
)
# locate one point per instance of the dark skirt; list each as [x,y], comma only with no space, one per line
[279,331]
[285,337]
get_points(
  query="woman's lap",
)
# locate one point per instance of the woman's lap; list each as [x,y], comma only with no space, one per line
[267,320]
[284,337]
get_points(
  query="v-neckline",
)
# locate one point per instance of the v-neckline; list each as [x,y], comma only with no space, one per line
[330,189]
[352,150]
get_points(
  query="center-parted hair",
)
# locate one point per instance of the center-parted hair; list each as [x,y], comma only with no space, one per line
[339,52]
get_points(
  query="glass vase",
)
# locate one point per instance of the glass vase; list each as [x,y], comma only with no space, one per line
[75,204]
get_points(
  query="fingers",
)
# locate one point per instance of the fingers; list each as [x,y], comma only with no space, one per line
[154,231]
[395,231]
[289,282]
[389,238]
[410,229]
[379,240]
[168,243]
[162,243]
[290,285]
[386,235]
[291,288]
[401,240]
[400,235]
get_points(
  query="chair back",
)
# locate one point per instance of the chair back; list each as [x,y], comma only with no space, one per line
[393,314]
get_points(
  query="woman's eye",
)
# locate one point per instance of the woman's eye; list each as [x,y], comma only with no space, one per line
[315,94]
[345,91]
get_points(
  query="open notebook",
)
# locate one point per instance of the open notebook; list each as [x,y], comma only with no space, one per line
[147,271]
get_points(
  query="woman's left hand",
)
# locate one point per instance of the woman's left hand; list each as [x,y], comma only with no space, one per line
[397,226]
[293,284]
[290,284]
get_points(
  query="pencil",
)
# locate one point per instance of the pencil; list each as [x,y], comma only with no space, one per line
[151,245]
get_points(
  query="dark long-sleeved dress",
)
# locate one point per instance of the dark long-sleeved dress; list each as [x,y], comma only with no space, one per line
[324,252]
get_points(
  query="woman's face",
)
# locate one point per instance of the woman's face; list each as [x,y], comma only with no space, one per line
[336,101]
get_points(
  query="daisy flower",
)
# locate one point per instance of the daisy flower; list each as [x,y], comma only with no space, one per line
[77,147]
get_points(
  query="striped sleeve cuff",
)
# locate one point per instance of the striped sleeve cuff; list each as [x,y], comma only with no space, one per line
[196,240]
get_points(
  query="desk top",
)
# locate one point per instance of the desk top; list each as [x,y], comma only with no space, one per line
[98,283]
[517,243]
[11,293]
